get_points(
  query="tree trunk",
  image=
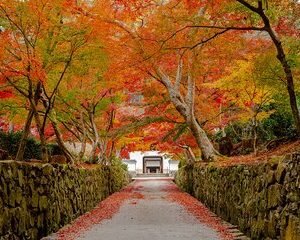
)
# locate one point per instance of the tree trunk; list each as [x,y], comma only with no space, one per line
[185,106]
[82,139]
[61,144]
[44,150]
[208,152]
[290,89]
[95,133]
[59,139]
[281,57]
[189,154]
[102,156]
[22,145]
[288,75]
[112,148]
[94,149]
[11,127]
[255,136]
[82,150]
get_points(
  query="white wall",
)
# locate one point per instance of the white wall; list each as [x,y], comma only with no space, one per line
[173,165]
[130,166]
[138,156]
[75,147]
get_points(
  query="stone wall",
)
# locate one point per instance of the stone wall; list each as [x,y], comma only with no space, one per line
[38,199]
[262,199]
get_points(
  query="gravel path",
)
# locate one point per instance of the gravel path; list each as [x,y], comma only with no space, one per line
[153,209]
[153,217]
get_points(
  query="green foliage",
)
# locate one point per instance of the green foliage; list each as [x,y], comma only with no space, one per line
[280,124]
[184,178]
[10,143]
[234,131]
[176,132]
[118,175]
[54,149]
[182,163]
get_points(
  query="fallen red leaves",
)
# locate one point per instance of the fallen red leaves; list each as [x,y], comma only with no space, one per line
[262,156]
[198,210]
[137,195]
[105,210]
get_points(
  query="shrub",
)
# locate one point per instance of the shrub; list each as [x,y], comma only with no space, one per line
[280,124]
[54,149]
[10,142]
[118,175]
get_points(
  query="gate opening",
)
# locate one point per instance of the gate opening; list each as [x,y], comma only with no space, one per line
[152,164]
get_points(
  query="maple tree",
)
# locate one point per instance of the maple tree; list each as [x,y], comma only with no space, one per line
[39,43]
[148,43]
[176,27]
[281,54]
[110,74]
[277,19]
[249,93]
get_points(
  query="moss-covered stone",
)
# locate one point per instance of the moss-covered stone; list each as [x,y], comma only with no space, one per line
[47,169]
[274,195]
[43,203]
[35,199]
[280,172]
[21,178]
[38,199]
[12,197]
[271,225]
[293,229]
[258,226]
[19,195]
[259,198]
[271,177]
[32,233]
[294,196]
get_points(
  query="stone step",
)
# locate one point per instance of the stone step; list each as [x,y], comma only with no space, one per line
[145,175]
[242,238]
[236,233]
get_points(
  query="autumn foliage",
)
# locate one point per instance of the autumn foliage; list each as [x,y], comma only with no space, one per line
[117,76]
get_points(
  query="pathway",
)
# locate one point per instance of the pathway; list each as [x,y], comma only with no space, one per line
[153,209]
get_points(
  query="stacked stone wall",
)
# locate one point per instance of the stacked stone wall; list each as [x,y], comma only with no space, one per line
[38,199]
[262,199]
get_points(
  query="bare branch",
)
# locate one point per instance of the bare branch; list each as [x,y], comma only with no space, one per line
[201,42]
[251,28]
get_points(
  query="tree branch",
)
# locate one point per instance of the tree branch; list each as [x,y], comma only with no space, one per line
[249,6]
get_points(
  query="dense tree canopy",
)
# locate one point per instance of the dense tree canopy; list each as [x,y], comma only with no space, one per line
[173,75]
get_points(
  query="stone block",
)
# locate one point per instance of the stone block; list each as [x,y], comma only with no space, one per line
[26,192]
[260,198]
[47,169]
[19,195]
[293,229]
[274,195]
[40,220]
[280,172]
[21,179]
[35,199]
[32,233]
[271,177]
[43,203]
